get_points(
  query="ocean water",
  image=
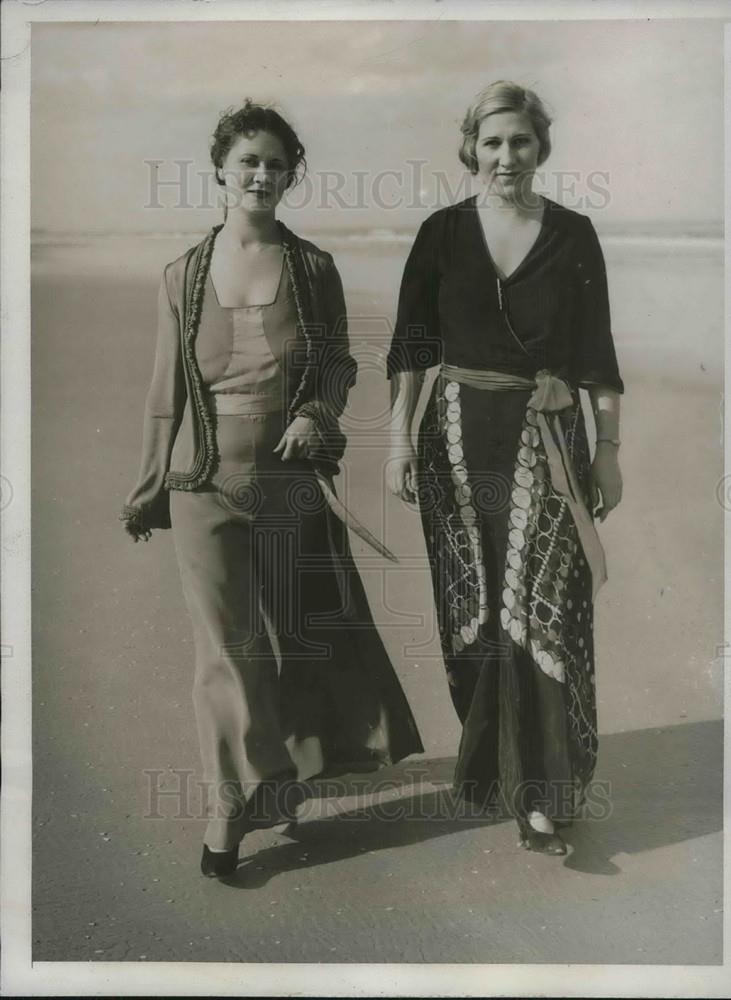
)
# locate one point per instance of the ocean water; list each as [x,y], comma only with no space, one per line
[666,293]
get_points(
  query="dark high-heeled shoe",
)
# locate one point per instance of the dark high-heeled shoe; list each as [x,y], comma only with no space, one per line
[542,843]
[218,864]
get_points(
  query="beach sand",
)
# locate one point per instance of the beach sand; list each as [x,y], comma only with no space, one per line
[112,668]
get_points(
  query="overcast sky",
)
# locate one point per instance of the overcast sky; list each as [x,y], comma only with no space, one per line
[638,111]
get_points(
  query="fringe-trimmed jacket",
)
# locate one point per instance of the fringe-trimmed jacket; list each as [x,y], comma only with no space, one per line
[178,442]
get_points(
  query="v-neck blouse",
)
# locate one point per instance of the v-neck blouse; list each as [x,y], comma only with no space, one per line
[499,273]
[551,312]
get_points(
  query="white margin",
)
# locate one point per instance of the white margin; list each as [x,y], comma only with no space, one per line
[20,977]
[15,537]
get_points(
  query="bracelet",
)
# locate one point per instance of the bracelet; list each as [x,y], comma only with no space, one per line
[615,441]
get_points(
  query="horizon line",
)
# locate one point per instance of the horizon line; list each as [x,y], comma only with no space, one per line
[650,227]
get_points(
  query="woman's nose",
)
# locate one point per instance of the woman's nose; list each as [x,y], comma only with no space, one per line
[260,174]
[506,155]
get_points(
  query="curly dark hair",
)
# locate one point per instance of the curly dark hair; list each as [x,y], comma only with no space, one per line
[253,118]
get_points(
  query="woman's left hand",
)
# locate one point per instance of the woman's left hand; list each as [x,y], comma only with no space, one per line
[138,534]
[297,439]
[606,480]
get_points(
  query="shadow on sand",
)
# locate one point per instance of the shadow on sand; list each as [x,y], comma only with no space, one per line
[663,786]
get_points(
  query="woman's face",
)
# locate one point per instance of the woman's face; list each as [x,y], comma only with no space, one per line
[507,151]
[255,172]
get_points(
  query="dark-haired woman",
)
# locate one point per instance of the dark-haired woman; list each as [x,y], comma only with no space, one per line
[507,292]
[241,441]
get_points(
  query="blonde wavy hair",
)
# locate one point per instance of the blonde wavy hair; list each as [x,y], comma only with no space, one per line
[496,98]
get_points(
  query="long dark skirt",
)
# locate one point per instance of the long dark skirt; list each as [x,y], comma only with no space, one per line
[513,598]
[291,677]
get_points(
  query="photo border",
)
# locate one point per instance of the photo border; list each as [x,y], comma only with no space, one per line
[18,974]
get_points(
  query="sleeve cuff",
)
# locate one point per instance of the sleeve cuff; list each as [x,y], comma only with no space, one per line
[591,379]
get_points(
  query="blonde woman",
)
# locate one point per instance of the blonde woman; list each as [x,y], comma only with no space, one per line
[507,292]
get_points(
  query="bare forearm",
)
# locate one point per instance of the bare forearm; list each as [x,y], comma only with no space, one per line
[405,392]
[606,477]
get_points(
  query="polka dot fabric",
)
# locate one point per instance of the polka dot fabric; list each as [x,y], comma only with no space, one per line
[546,596]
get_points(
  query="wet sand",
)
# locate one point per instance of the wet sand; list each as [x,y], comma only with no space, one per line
[112,668]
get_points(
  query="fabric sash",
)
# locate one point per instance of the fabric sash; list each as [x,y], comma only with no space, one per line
[551,395]
[245,404]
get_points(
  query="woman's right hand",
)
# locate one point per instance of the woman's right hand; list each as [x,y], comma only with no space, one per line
[401,474]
